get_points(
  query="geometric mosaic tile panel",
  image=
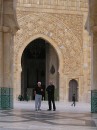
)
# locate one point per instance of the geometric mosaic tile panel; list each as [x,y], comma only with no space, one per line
[6,98]
[94,101]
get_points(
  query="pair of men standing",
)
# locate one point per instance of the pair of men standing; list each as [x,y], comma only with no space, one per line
[38,96]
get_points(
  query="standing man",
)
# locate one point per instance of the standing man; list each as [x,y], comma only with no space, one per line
[38,96]
[50,91]
[73,100]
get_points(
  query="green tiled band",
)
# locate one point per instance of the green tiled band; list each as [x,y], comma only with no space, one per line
[6,98]
[94,101]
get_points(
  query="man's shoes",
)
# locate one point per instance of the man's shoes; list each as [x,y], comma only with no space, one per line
[54,109]
[48,109]
[39,109]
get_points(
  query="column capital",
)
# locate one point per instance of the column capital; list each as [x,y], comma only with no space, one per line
[5,29]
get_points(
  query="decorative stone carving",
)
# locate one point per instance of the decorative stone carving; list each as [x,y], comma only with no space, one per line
[60,29]
[61,23]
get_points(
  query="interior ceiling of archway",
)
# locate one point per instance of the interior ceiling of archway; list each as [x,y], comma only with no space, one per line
[64,30]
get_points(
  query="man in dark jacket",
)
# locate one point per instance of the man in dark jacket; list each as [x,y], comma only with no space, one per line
[50,91]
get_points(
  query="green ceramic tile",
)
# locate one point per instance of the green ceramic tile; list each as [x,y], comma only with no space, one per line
[5,102]
[5,91]
[11,101]
[94,101]
[6,98]
[11,91]
[0,90]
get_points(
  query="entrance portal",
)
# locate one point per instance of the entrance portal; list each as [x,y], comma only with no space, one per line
[73,89]
[39,63]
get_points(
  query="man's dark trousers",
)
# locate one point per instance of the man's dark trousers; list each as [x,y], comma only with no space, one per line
[51,101]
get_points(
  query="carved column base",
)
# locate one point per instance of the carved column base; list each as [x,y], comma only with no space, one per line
[6,98]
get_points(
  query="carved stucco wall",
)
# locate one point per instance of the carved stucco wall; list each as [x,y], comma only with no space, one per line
[65,34]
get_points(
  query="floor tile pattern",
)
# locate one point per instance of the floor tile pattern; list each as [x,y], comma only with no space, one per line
[22,117]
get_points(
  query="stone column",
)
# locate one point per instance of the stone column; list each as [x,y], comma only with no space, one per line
[6,91]
[85,96]
[94,75]
[94,61]
[8,27]
[1,57]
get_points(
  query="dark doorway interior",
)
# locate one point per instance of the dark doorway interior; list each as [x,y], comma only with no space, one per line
[73,89]
[33,67]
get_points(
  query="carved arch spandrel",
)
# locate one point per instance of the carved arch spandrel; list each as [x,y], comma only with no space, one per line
[73,21]
[65,40]
[17,59]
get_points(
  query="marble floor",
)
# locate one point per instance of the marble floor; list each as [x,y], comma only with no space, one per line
[66,117]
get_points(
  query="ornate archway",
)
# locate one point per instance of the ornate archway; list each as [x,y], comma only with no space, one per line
[64,39]
[17,60]
[39,62]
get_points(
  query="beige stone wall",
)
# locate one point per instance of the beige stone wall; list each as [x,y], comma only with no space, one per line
[62,24]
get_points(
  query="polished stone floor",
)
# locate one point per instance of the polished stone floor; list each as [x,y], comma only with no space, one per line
[66,117]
